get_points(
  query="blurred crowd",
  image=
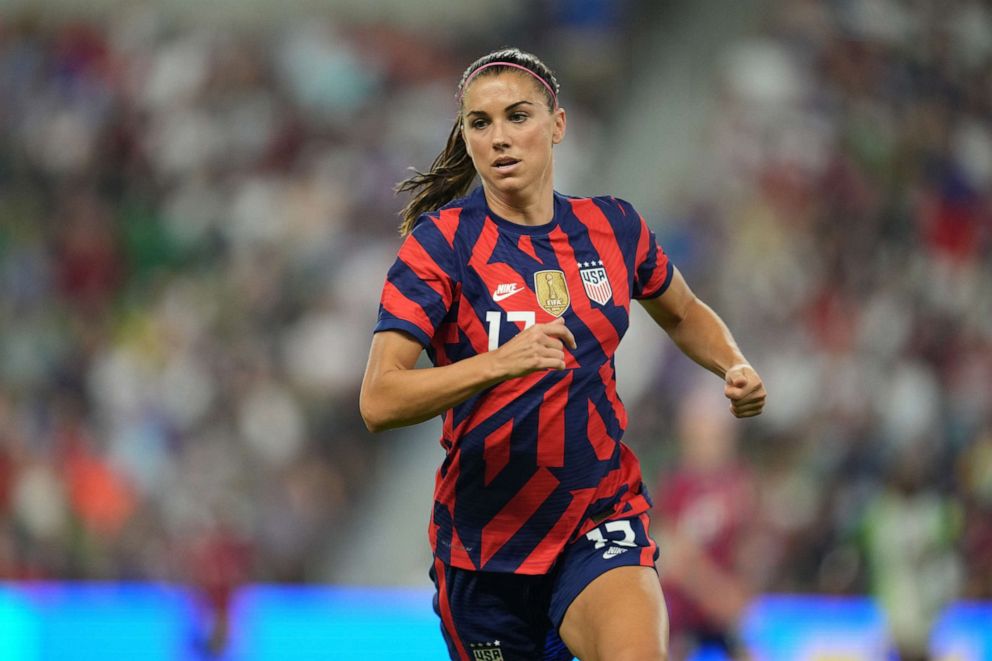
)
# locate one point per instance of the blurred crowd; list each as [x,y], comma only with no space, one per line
[195,223]
[843,227]
[183,238]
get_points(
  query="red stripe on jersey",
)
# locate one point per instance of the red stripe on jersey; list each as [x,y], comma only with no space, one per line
[444,492]
[402,307]
[661,262]
[498,273]
[661,259]
[459,556]
[496,452]
[501,396]
[601,442]
[630,504]
[643,242]
[445,607]
[447,429]
[427,269]
[545,554]
[551,424]
[447,333]
[637,504]
[594,319]
[432,532]
[619,206]
[447,222]
[609,378]
[610,484]
[444,486]
[647,553]
[630,470]
[515,513]
[604,240]
[526,246]
[469,323]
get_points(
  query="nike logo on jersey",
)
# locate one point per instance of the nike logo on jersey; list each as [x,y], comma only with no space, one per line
[506,291]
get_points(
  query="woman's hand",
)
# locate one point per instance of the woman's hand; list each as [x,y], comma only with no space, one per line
[539,347]
[745,391]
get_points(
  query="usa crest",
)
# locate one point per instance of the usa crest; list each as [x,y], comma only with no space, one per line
[486,651]
[595,282]
[552,292]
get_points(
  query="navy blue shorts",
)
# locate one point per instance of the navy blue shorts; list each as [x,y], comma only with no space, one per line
[489,616]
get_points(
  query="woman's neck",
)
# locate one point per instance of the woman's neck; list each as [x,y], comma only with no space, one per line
[532,209]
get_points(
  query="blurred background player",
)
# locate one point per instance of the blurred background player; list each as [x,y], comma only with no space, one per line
[704,513]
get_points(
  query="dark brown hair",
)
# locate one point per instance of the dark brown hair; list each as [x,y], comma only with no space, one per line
[452,171]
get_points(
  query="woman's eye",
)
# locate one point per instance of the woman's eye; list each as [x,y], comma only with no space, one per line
[518,117]
[478,123]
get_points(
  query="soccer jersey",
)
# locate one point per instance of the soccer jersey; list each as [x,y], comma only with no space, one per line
[535,461]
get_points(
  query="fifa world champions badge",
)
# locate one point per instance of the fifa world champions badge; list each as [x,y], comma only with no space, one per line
[552,292]
[595,282]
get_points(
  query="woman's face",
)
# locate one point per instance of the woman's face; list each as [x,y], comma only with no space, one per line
[509,132]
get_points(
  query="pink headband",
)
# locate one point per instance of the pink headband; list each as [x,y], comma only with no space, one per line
[554,97]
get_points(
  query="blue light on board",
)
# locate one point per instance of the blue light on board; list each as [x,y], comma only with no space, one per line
[299,623]
[92,621]
[103,621]
[806,628]
[963,632]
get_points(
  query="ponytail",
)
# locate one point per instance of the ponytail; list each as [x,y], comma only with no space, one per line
[450,177]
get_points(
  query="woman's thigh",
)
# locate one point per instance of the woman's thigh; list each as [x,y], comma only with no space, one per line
[619,616]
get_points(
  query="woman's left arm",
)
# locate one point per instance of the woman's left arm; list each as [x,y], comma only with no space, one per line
[700,333]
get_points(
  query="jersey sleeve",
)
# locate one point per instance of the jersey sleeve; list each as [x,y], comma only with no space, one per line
[652,269]
[420,285]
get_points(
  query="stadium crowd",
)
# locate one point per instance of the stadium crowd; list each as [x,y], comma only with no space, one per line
[842,224]
[194,223]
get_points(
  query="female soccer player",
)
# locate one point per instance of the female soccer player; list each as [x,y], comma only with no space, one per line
[520,296]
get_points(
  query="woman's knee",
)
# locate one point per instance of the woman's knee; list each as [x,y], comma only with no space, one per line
[631,653]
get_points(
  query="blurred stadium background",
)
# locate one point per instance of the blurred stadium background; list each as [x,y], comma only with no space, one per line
[196,216]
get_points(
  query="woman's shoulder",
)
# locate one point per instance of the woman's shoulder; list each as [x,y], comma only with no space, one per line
[615,208]
[452,213]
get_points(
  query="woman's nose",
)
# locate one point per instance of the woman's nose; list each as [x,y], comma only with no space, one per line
[500,139]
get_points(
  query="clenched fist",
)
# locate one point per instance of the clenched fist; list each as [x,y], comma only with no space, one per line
[539,347]
[745,391]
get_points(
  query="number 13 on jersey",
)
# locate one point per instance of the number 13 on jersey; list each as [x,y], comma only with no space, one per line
[494,319]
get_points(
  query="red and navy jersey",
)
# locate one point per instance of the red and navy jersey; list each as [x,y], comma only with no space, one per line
[531,459]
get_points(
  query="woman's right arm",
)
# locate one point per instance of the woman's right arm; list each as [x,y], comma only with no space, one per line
[395,393]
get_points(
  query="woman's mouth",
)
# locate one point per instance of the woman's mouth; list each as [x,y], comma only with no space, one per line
[505,164]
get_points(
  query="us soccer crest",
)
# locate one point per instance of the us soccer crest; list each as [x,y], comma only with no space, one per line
[551,291]
[596,284]
[486,651]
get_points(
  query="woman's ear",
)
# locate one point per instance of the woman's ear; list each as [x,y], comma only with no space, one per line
[558,132]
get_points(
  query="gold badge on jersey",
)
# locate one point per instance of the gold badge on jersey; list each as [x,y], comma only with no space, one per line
[551,291]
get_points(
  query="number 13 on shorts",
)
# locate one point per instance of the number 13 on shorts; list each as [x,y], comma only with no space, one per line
[620,545]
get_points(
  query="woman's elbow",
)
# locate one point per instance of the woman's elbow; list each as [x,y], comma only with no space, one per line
[374,419]
[372,424]
[372,414]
